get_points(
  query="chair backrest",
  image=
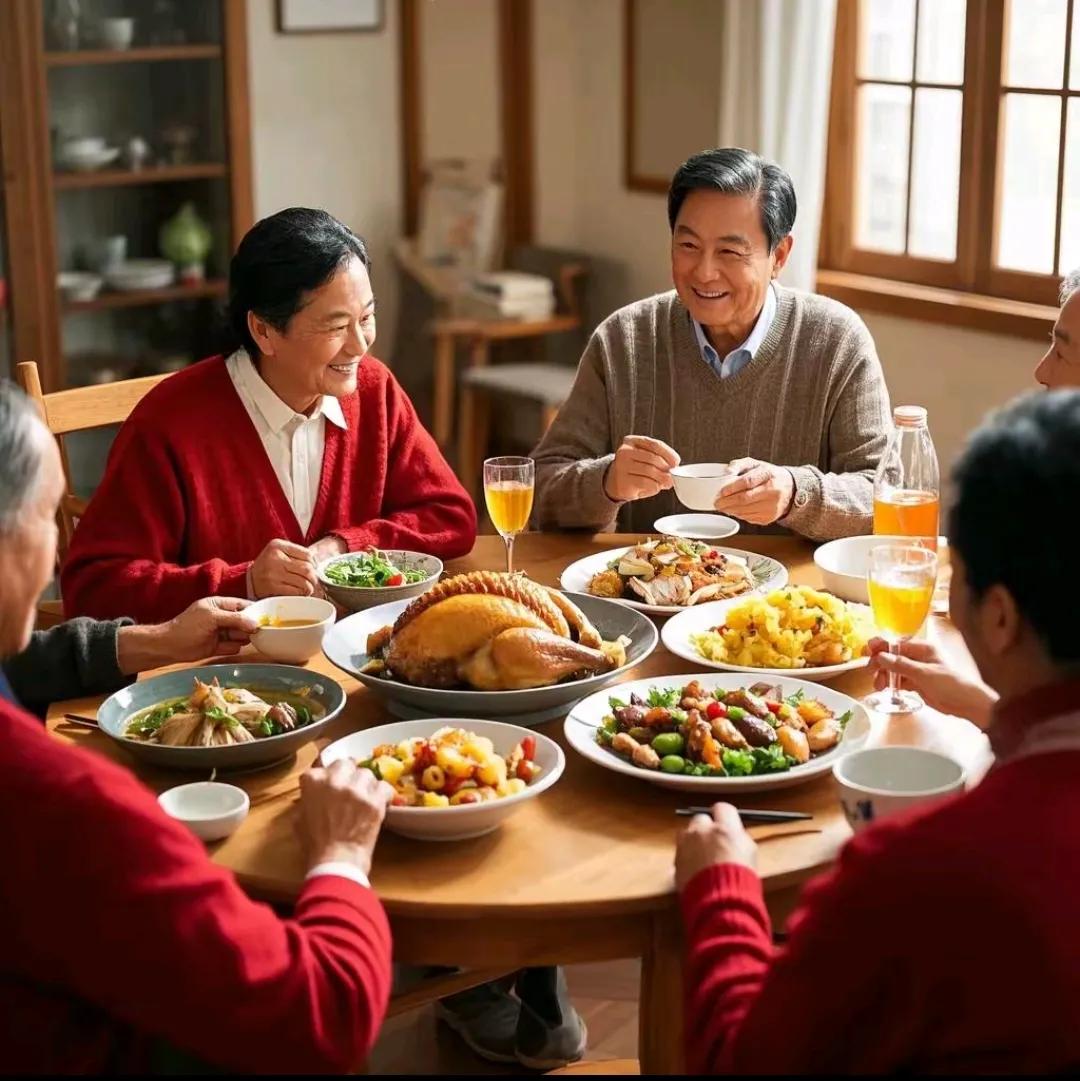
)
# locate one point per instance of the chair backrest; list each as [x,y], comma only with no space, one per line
[80,410]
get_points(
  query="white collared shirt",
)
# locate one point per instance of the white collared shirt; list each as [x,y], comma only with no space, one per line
[294,442]
[740,356]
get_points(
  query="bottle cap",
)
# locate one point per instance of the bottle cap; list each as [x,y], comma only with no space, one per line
[909,416]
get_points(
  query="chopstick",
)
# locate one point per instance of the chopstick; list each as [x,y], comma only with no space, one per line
[752,816]
[79,719]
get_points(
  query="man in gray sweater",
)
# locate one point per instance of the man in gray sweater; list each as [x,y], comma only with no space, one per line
[730,366]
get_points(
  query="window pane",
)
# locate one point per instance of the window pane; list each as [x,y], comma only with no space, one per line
[887,39]
[1070,197]
[882,168]
[1035,50]
[1029,156]
[941,41]
[935,174]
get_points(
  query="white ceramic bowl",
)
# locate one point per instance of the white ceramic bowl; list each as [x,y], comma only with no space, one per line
[697,486]
[843,563]
[117,33]
[880,781]
[293,645]
[210,809]
[135,274]
[360,598]
[83,146]
[470,819]
[88,161]
[78,285]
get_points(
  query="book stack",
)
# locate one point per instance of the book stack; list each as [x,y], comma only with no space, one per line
[510,294]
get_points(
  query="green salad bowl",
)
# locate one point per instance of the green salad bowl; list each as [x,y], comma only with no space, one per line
[359,598]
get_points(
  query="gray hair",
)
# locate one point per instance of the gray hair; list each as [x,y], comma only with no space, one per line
[1069,285]
[20,454]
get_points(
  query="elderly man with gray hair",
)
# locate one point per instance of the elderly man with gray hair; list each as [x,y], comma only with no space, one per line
[126,949]
[730,366]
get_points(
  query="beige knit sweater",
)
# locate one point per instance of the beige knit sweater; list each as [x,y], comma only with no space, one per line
[813,399]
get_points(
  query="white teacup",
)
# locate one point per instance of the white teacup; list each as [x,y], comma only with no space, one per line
[697,486]
[880,781]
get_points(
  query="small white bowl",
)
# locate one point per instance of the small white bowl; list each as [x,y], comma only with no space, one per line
[78,285]
[698,527]
[697,486]
[117,33]
[880,781]
[210,809]
[360,598]
[293,645]
[469,819]
[82,146]
[843,563]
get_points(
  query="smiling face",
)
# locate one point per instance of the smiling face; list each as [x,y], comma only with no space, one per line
[720,261]
[1060,365]
[320,350]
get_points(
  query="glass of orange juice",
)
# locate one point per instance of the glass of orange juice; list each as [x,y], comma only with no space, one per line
[901,580]
[508,492]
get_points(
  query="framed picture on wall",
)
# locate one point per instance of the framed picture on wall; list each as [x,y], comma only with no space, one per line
[322,16]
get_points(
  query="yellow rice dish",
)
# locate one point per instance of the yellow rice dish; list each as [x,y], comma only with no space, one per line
[794,627]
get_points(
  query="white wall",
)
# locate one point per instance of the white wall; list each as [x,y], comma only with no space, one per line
[583,204]
[325,118]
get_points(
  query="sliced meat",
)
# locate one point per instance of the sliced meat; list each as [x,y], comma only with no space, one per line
[750,702]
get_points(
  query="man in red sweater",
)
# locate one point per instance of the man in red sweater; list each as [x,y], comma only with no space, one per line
[239,474]
[124,946]
[945,939]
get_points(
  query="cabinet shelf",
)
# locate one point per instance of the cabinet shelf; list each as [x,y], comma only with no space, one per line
[151,53]
[214,287]
[154,174]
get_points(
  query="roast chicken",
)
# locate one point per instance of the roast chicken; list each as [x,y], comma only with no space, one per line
[492,632]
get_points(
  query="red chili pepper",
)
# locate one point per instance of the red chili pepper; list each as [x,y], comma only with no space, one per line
[526,770]
[774,707]
[714,710]
[528,747]
[396,580]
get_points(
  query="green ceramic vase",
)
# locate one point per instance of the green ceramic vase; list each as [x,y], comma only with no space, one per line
[185,238]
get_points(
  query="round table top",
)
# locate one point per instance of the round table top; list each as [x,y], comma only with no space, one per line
[598,842]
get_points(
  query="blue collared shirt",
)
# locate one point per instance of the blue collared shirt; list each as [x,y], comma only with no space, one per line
[740,356]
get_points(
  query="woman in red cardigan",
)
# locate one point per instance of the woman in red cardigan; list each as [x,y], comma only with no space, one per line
[239,474]
[125,947]
[946,940]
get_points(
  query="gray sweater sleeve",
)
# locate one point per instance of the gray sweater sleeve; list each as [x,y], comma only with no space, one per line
[574,454]
[74,659]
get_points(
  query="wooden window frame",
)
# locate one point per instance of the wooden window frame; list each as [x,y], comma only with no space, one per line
[969,290]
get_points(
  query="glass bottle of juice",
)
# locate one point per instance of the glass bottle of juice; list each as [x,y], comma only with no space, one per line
[907,489]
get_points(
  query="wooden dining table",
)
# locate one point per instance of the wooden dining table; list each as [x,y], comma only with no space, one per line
[582,873]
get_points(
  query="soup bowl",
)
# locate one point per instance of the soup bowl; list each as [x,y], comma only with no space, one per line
[291,629]
[324,695]
[210,809]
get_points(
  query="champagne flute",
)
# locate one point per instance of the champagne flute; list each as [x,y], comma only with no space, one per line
[901,580]
[508,492]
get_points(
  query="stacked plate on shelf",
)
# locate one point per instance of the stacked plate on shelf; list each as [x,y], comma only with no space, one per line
[86,154]
[135,274]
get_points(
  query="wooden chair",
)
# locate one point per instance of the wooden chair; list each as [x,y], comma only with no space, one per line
[478,336]
[78,410]
[613,1067]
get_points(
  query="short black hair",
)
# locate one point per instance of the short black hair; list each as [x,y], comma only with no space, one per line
[280,260]
[734,171]
[1020,465]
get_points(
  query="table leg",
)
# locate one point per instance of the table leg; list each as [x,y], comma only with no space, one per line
[444,388]
[660,1048]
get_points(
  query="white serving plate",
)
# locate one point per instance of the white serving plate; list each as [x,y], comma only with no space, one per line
[469,819]
[698,527]
[676,636]
[583,721]
[769,573]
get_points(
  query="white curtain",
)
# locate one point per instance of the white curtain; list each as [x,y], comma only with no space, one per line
[774,98]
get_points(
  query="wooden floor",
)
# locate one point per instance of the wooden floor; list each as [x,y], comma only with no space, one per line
[606,995]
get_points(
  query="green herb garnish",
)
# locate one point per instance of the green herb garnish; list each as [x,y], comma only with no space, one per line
[659,699]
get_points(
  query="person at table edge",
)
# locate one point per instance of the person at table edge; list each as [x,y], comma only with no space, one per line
[126,949]
[730,365]
[236,476]
[945,940]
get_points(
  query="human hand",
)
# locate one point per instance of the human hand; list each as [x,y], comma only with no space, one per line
[921,668]
[642,467]
[328,546]
[707,842]
[284,569]
[761,493]
[342,808]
